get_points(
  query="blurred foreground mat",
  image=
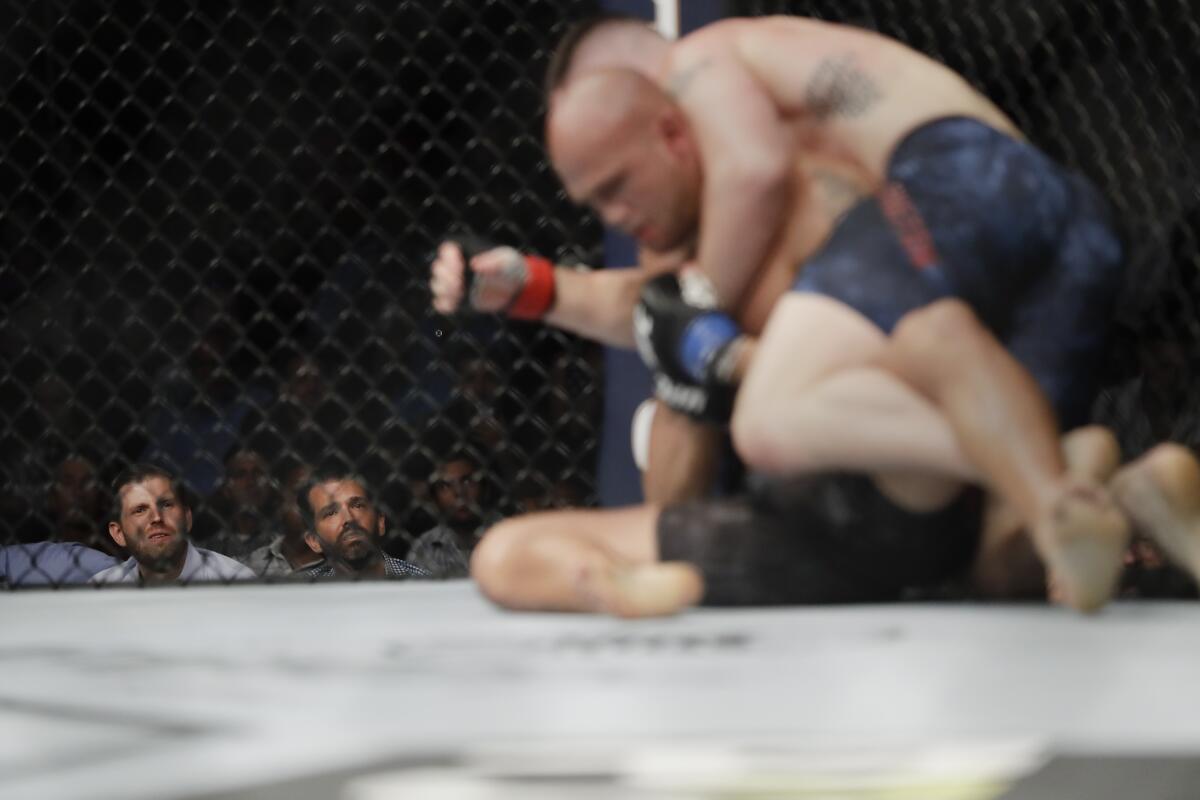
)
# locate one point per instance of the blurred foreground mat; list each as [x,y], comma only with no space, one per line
[351,690]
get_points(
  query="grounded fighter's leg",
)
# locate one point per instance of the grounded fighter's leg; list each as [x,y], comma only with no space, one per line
[1161,493]
[583,560]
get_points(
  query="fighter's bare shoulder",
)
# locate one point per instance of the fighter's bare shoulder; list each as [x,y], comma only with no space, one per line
[756,45]
[696,54]
[712,47]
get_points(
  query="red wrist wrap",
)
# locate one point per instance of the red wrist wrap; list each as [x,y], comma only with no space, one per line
[538,295]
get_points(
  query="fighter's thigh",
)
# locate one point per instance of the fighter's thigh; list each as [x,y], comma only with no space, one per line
[807,338]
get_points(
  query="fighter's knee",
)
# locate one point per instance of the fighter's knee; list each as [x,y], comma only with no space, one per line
[495,561]
[744,434]
[944,326]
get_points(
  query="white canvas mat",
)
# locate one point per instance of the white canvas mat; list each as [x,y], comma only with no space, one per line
[180,692]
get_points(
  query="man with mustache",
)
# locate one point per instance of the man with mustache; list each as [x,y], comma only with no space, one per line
[346,527]
[151,517]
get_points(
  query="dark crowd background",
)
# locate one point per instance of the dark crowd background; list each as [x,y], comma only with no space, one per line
[216,221]
[216,226]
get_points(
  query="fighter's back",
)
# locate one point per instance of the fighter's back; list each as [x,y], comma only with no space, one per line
[850,93]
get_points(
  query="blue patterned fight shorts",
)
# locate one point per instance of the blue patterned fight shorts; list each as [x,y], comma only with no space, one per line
[972,213]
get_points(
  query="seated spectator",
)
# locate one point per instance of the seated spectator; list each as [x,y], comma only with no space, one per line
[77,508]
[241,515]
[151,517]
[50,564]
[345,525]
[457,488]
[288,552]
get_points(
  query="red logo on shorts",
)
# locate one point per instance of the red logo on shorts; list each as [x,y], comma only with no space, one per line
[910,229]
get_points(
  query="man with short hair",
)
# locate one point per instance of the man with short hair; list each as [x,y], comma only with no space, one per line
[240,516]
[971,242]
[151,517]
[445,549]
[76,506]
[346,527]
[288,553]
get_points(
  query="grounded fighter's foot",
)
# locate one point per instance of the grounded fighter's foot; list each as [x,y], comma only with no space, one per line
[1161,494]
[1082,540]
[647,590]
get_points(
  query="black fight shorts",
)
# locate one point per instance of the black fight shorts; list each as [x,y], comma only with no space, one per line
[820,539]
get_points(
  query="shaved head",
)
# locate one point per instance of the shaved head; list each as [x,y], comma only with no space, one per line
[605,42]
[623,146]
[602,108]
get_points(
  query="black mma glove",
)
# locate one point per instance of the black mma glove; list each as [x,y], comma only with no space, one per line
[687,343]
[529,278]
[470,246]
[711,406]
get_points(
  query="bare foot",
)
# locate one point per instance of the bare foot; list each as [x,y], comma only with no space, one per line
[1161,493]
[646,590]
[1082,538]
[1091,452]
[1008,566]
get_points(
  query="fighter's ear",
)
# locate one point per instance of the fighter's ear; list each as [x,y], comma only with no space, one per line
[673,128]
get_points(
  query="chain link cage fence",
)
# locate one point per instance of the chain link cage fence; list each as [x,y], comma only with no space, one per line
[215,235]
[217,220]
[1106,87]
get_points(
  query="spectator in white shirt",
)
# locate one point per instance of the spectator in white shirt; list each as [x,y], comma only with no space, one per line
[151,517]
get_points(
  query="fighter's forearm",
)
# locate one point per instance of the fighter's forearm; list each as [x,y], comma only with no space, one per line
[682,458]
[596,304]
[743,212]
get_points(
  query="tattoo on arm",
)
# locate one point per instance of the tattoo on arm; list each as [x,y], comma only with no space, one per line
[839,88]
[680,81]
